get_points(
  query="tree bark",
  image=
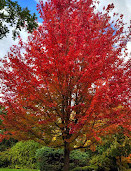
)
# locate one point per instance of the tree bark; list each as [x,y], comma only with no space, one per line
[66,156]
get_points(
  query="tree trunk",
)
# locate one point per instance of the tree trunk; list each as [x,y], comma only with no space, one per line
[66,156]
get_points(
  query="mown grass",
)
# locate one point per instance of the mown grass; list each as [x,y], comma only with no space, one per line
[5,169]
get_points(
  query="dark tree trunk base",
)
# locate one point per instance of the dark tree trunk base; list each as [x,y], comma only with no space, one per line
[66,156]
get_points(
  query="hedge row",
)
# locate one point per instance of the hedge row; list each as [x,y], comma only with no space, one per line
[29,154]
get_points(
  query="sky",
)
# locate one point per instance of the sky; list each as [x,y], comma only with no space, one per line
[121,6]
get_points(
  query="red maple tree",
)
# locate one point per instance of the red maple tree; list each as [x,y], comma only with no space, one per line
[68,84]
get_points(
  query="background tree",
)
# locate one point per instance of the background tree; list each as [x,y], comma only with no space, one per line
[64,86]
[11,14]
[113,153]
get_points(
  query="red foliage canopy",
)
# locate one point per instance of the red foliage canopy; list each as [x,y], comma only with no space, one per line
[69,81]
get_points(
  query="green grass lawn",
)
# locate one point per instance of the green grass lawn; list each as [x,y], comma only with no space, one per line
[1,169]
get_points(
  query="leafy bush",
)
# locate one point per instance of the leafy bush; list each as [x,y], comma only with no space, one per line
[22,154]
[113,154]
[103,162]
[78,158]
[4,162]
[49,159]
[53,160]
[5,145]
[85,168]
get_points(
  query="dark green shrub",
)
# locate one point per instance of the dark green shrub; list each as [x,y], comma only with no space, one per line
[78,158]
[6,144]
[4,162]
[102,162]
[50,159]
[22,154]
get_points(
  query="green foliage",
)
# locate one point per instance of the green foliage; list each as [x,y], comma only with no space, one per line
[4,162]
[79,158]
[85,168]
[6,144]
[22,155]
[52,159]
[109,155]
[122,148]
[103,162]
[49,159]
[15,16]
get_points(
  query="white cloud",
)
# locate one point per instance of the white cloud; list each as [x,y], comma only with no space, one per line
[7,42]
[121,7]
[38,1]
